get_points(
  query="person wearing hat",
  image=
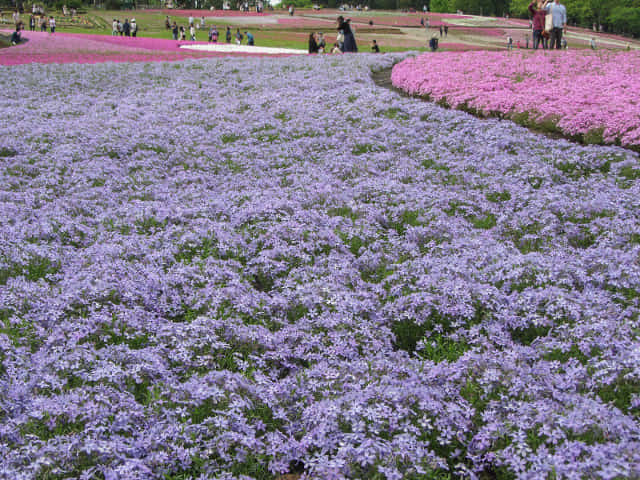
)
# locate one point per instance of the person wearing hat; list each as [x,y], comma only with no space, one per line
[134,27]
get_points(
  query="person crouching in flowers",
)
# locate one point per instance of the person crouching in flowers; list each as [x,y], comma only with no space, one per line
[15,36]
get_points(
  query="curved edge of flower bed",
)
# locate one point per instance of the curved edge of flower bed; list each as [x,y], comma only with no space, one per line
[532,120]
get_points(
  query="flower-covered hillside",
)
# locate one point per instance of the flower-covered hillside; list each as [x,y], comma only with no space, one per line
[208,273]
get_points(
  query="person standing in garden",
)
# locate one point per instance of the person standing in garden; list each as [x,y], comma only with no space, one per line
[174,31]
[114,28]
[313,44]
[134,27]
[559,19]
[192,32]
[538,13]
[349,39]
[52,24]
[126,28]
[228,36]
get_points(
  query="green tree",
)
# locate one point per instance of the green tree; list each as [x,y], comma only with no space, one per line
[442,6]
[625,20]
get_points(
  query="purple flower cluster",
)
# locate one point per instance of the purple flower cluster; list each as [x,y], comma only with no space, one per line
[238,269]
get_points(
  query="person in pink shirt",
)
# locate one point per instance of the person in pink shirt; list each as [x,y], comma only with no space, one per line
[536,9]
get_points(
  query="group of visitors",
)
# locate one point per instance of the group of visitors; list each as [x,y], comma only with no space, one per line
[124,29]
[40,21]
[345,40]
[444,29]
[180,33]
[549,24]
[239,37]
[68,12]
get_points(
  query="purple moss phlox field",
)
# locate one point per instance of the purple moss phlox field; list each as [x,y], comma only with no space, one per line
[596,94]
[208,273]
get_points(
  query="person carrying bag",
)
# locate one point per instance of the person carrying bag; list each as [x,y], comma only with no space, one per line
[557,15]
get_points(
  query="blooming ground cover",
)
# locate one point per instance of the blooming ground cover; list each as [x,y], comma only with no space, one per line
[204,274]
[196,14]
[591,95]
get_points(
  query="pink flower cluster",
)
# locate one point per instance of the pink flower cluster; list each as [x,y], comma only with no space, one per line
[582,92]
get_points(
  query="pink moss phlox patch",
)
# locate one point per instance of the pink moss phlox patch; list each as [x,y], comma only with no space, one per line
[582,92]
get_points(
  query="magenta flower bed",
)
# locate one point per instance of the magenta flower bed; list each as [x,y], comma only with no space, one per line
[208,13]
[453,46]
[81,48]
[592,95]
[308,22]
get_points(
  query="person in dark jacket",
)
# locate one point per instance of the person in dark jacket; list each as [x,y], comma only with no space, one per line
[349,39]
[313,45]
